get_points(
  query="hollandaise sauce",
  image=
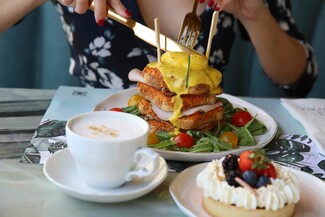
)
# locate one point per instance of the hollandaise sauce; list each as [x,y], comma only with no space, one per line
[177,72]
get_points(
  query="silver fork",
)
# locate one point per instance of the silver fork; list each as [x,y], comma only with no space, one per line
[190,29]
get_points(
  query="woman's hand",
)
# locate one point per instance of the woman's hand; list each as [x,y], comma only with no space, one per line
[242,9]
[100,8]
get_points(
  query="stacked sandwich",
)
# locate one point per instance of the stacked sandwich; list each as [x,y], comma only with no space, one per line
[179,93]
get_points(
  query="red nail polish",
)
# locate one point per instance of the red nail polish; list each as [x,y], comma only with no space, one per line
[211,3]
[101,22]
[128,13]
[217,8]
[202,1]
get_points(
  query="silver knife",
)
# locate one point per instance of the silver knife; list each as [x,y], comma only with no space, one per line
[147,34]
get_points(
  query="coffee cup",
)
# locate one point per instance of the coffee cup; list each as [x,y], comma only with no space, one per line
[109,148]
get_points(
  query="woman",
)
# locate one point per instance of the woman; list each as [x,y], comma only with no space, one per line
[102,54]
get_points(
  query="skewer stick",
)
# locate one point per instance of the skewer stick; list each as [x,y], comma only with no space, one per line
[157,31]
[213,31]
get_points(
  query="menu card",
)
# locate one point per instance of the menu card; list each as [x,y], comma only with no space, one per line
[297,151]
[311,114]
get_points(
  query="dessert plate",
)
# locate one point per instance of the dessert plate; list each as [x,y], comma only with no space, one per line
[61,170]
[121,98]
[188,196]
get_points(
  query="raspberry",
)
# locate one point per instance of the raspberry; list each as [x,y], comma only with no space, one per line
[230,163]
[231,175]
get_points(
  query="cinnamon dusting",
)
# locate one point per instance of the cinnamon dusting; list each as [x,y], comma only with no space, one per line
[102,130]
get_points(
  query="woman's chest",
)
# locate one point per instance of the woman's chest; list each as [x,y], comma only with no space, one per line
[170,13]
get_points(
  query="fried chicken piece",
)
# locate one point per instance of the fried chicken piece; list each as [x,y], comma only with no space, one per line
[166,102]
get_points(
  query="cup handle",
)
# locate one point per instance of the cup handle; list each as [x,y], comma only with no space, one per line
[141,171]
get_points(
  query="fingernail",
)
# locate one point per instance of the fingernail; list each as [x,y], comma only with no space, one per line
[202,1]
[128,13]
[210,3]
[217,8]
[101,22]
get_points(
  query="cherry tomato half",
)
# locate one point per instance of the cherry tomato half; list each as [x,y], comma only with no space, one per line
[230,138]
[116,109]
[152,139]
[134,100]
[184,140]
[241,118]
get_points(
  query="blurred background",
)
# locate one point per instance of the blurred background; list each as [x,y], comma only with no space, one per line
[35,54]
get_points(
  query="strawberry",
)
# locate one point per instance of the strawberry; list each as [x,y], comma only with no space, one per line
[269,171]
[245,162]
[256,161]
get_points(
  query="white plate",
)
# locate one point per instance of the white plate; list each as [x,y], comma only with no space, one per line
[61,170]
[188,196]
[121,98]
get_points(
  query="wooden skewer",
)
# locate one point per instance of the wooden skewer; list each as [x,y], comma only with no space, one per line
[157,30]
[213,31]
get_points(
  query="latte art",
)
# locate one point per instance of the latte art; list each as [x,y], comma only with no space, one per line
[103,131]
[107,128]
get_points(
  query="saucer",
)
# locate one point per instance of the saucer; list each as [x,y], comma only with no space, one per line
[61,170]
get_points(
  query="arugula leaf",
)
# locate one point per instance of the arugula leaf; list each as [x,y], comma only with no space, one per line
[228,108]
[257,128]
[210,144]
[132,110]
[245,137]
[163,144]
[162,135]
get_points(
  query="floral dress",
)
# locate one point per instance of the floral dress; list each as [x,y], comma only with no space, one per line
[103,56]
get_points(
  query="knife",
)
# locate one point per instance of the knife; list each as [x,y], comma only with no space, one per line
[147,34]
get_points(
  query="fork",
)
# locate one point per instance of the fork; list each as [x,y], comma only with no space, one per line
[190,29]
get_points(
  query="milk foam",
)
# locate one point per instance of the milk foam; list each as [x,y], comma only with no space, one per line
[104,128]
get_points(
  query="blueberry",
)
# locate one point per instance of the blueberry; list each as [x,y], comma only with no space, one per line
[263,181]
[250,177]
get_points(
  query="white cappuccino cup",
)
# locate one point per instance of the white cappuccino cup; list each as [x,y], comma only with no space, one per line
[107,148]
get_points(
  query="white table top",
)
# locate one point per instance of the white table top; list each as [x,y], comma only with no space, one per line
[25,191]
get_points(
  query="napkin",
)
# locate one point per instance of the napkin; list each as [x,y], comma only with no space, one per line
[311,114]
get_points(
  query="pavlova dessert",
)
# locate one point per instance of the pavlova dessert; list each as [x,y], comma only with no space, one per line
[249,185]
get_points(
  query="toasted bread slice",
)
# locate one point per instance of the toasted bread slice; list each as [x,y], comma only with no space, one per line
[196,121]
[157,125]
[153,77]
[166,102]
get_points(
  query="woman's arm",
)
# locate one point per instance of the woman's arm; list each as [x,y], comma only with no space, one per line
[282,57]
[11,11]
[100,8]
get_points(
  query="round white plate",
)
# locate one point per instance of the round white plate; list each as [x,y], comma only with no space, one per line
[188,196]
[61,170]
[121,98]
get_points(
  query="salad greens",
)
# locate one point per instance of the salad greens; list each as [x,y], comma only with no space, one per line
[209,141]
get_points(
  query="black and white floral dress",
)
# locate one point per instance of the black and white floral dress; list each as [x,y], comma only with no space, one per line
[103,56]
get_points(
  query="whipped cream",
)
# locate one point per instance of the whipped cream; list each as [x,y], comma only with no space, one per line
[283,190]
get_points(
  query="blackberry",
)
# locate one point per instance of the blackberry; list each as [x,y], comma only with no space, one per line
[230,163]
[231,175]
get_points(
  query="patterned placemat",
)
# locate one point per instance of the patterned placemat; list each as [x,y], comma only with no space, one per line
[296,151]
